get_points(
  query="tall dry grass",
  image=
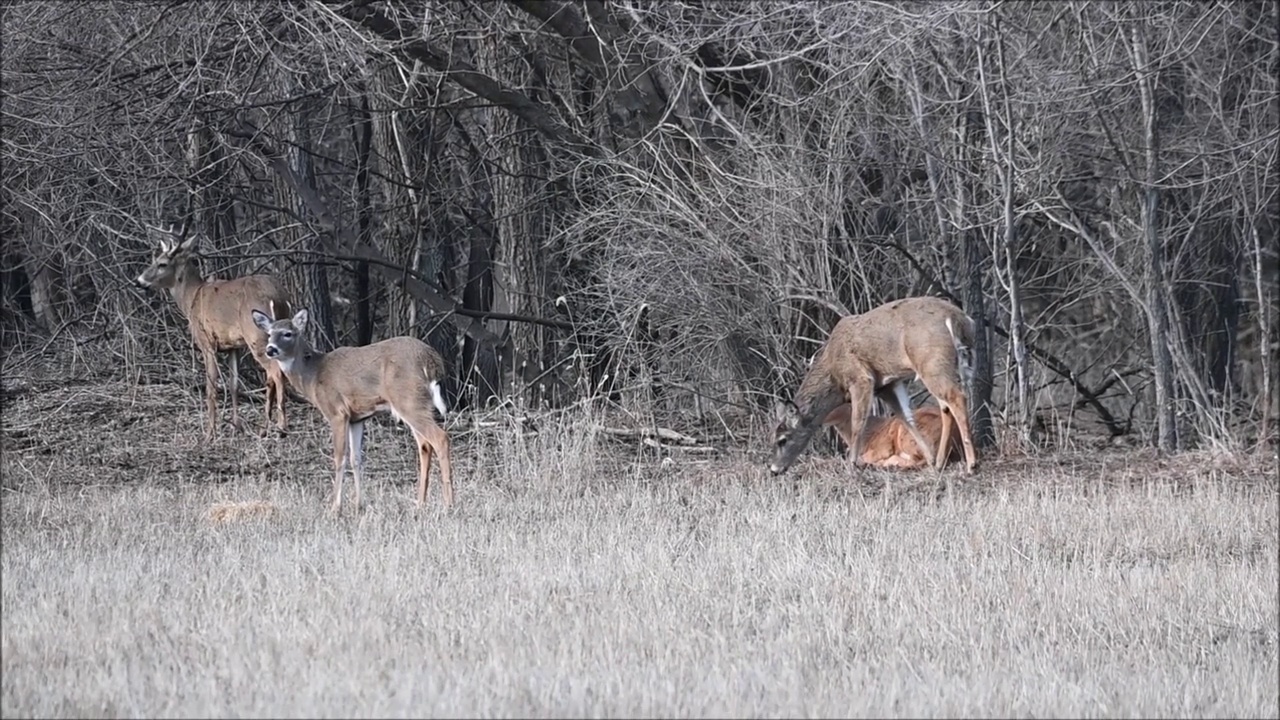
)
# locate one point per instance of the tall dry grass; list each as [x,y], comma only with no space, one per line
[576,579]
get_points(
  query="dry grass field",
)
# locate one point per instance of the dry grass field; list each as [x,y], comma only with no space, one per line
[148,574]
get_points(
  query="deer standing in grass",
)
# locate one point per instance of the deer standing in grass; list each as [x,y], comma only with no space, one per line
[218,314]
[874,355]
[350,384]
[888,442]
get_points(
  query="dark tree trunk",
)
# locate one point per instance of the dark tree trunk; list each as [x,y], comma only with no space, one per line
[477,294]
[317,275]
[1157,277]
[975,258]
[362,129]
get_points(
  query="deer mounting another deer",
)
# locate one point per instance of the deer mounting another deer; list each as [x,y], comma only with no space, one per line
[217,312]
[350,384]
[874,355]
[887,438]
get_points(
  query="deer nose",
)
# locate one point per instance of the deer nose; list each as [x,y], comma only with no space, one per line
[140,282]
[272,351]
[774,469]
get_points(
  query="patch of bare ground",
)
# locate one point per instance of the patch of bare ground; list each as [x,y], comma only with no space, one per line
[148,573]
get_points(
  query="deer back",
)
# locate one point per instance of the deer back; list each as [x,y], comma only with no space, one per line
[397,371]
[895,341]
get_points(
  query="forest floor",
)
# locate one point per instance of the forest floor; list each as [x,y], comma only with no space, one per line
[149,573]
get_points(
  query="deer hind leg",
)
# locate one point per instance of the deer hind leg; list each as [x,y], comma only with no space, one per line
[900,403]
[425,452]
[954,406]
[339,427]
[944,442]
[960,412]
[433,440]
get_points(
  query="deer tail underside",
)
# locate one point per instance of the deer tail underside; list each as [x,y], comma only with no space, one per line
[437,398]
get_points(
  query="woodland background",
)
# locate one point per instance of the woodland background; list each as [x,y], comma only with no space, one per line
[666,206]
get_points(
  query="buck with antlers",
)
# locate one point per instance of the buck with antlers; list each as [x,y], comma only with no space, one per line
[874,355]
[350,384]
[218,314]
[887,438]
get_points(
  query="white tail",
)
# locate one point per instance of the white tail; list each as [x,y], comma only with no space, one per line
[873,355]
[437,399]
[350,384]
[218,313]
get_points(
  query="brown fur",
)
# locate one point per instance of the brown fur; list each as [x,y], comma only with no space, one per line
[350,384]
[873,355]
[217,313]
[225,512]
[888,443]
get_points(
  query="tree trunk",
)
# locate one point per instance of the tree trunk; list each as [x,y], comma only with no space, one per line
[1022,417]
[362,129]
[974,261]
[1158,315]
[316,273]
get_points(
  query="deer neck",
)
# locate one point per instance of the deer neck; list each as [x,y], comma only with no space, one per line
[303,369]
[817,397]
[185,287]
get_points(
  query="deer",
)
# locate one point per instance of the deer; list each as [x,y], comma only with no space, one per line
[348,385]
[874,355]
[217,313]
[889,443]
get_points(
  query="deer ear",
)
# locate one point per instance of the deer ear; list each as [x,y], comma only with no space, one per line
[261,320]
[189,244]
[786,412]
[300,319]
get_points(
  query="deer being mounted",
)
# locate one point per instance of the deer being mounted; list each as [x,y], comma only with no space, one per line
[887,440]
[874,355]
[218,314]
[350,384]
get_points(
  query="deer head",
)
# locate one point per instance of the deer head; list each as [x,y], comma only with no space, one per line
[173,259]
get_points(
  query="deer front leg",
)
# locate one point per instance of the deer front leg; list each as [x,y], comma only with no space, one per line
[275,389]
[276,376]
[233,388]
[339,427]
[210,391]
[355,433]
[838,419]
[860,396]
